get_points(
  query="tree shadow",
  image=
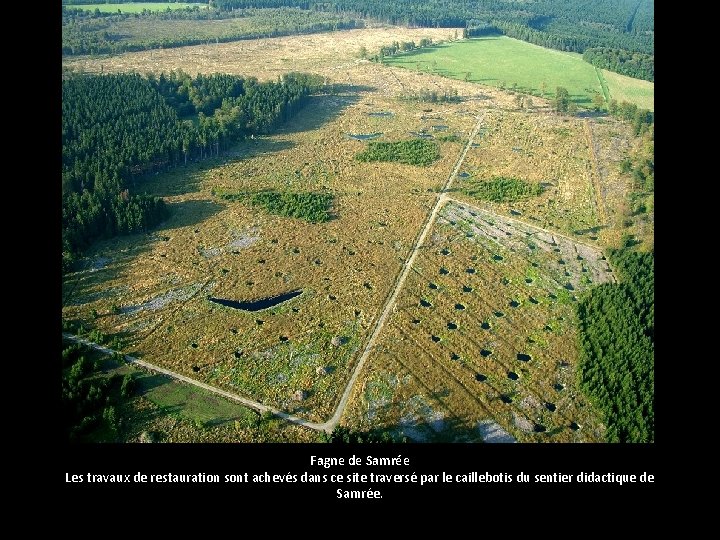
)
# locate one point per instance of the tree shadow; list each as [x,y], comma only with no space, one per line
[186,213]
[324,108]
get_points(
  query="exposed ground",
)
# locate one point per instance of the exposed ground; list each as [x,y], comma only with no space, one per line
[153,288]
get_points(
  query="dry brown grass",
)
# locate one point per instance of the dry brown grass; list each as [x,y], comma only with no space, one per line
[347,266]
[424,378]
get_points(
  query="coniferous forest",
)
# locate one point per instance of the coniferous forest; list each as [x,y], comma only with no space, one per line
[118,128]
[617,326]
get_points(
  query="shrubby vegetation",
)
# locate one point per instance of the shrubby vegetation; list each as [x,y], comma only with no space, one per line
[312,207]
[617,338]
[344,435]
[643,120]
[632,64]
[502,189]
[412,152]
[117,128]
[425,95]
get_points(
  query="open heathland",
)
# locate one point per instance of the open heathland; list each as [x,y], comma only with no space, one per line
[484,331]
[278,266]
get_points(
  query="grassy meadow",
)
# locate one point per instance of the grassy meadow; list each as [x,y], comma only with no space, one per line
[501,61]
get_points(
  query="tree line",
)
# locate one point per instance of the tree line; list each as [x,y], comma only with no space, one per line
[617,345]
[632,64]
[559,24]
[118,128]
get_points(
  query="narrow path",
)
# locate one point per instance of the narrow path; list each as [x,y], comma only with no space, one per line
[407,266]
[247,402]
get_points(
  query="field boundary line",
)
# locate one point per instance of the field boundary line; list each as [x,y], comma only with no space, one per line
[603,85]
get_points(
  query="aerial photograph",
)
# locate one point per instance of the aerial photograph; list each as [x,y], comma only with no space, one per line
[295,221]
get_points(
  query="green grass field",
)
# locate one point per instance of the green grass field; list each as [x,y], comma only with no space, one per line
[623,88]
[503,61]
[137,7]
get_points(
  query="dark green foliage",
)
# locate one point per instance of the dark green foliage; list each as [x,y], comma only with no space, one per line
[502,189]
[559,24]
[312,207]
[425,95]
[562,100]
[617,339]
[641,119]
[632,64]
[411,152]
[344,435]
[118,128]
[127,387]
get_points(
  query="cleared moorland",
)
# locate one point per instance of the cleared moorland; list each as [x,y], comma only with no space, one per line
[154,290]
[138,7]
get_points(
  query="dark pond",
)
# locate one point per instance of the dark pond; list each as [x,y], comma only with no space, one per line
[464,175]
[512,376]
[467,289]
[485,353]
[425,303]
[257,305]
[524,357]
[550,406]
[505,399]
[485,325]
[480,377]
[459,307]
[452,326]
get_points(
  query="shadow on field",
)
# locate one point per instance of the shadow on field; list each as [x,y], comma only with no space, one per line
[149,382]
[183,214]
[325,108]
